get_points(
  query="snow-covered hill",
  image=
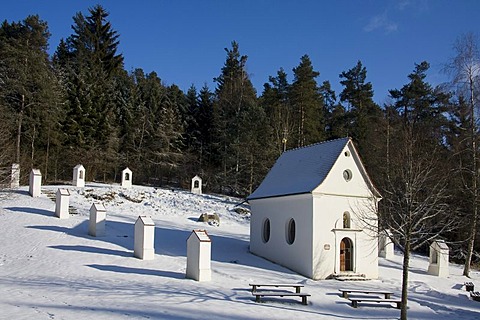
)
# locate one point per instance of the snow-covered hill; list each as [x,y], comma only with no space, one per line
[52,269]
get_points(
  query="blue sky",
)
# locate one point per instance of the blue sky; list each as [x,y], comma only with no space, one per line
[184,41]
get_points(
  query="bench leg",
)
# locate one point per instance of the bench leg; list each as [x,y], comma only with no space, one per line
[399,305]
[354,304]
[297,289]
[387,295]
[345,294]
[257,298]
[254,288]
[304,300]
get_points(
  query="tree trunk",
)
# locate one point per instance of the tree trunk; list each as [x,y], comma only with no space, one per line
[19,128]
[473,226]
[406,262]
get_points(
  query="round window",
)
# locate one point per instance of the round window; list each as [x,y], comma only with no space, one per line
[347,175]
[266,230]
[290,231]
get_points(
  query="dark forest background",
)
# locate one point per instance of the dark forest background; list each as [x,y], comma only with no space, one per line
[81,106]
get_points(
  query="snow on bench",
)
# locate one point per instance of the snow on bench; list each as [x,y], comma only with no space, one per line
[277,285]
[356,300]
[345,292]
[259,294]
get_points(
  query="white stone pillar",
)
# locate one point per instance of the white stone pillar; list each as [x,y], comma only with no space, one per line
[144,238]
[438,259]
[196,185]
[385,245]
[126,178]
[79,176]
[199,248]
[98,217]
[61,203]
[35,184]
[15,182]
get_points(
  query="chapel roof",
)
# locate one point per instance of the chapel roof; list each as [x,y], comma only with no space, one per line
[300,170]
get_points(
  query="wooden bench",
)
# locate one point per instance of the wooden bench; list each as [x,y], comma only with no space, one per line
[355,301]
[259,294]
[345,292]
[277,285]
[469,286]
[475,295]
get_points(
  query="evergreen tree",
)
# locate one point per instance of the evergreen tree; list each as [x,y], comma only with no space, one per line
[335,114]
[91,63]
[29,87]
[234,107]
[307,105]
[205,123]
[275,101]
[364,117]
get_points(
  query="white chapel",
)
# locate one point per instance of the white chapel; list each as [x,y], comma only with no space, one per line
[310,213]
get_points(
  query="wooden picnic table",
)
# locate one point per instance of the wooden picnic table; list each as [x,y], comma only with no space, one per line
[277,285]
[345,292]
[356,300]
[259,294]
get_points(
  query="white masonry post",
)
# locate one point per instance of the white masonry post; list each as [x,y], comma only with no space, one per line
[199,248]
[98,216]
[61,203]
[15,182]
[35,183]
[126,178]
[79,176]
[196,185]
[438,259]
[144,238]
[385,245]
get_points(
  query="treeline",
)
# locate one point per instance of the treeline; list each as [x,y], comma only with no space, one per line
[81,106]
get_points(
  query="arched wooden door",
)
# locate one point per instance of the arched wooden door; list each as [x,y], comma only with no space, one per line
[346,255]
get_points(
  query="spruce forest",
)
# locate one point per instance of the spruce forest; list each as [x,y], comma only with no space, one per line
[80,105]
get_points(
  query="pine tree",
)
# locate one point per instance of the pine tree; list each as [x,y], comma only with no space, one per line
[29,87]
[234,106]
[307,105]
[275,101]
[358,94]
[90,61]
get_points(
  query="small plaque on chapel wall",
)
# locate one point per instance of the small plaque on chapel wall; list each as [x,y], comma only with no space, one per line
[326,246]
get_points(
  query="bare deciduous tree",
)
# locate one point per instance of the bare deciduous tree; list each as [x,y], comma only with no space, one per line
[465,71]
[415,204]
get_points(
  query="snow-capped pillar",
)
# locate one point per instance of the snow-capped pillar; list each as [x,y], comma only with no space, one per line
[61,203]
[15,178]
[144,237]
[199,248]
[438,259]
[35,183]
[79,176]
[126,178]
[196,185]
[385,245]
[98,216]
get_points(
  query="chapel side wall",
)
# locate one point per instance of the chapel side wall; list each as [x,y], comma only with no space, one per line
[325,215]
[296,256]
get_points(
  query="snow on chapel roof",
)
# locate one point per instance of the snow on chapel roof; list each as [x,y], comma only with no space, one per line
[300,170]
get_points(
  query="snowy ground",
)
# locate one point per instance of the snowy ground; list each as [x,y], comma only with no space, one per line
[52,269]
